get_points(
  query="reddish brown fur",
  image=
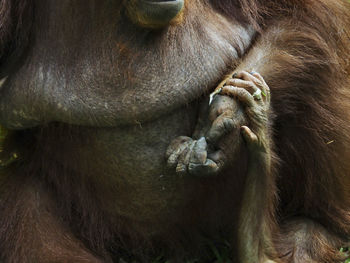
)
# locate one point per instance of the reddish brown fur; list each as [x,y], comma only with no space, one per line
[309,78]
[308,72]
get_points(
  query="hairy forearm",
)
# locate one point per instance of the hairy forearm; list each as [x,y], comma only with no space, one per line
[254,234]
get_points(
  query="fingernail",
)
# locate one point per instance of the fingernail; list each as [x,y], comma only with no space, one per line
[213,94]
[202,139]
[252,72]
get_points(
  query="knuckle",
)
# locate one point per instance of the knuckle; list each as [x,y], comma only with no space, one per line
[232,91]
[240,93]
[230,81]
[245,93]
[230,88]
[250,84]
[171,153]
[181,168]
[258,75]
[210,164]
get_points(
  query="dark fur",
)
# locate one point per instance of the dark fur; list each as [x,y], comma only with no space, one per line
[309,77]
[15,24]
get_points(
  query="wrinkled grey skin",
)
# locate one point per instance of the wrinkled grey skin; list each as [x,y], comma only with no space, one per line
[135,90]
[139,83]
[78,74]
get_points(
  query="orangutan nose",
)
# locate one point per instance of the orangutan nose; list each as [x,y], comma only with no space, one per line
[155,13]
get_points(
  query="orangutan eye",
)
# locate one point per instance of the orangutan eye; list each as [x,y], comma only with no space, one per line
[154,13]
